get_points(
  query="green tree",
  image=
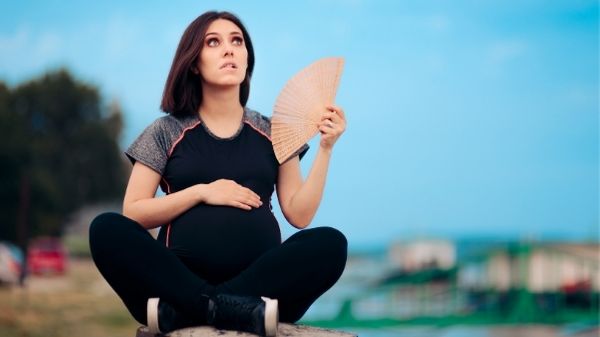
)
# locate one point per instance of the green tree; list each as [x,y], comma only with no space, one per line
[59,152]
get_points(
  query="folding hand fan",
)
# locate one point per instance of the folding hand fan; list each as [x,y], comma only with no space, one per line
[302,101]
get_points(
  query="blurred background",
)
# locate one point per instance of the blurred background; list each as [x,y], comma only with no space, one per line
[467,181]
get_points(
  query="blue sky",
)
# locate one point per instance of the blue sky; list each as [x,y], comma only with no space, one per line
[465,118]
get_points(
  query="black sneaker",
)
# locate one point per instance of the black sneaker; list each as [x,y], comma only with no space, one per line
[162,318]
[258,315]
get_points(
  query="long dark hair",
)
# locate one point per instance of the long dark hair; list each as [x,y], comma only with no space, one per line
[183,90]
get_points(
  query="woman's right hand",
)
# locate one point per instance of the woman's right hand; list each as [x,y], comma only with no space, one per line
[227,192]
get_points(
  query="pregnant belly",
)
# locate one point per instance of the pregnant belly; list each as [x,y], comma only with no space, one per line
[218,242]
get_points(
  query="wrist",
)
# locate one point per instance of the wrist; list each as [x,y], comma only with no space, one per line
[326,150]
[200,193]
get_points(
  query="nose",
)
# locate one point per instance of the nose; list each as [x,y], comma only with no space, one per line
[228,49]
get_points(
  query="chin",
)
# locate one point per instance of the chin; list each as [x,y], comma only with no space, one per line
[228,83]
[225,81]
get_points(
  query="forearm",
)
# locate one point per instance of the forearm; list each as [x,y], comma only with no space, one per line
[305,202]
[157,211]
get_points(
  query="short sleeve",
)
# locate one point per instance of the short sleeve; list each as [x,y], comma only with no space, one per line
[300,152]
[150,148]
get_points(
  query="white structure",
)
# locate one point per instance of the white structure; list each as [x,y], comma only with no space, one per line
[423,254]
[564,265]
[537,267]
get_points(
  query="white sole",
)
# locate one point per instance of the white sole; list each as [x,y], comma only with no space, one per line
[152,315]
[271,316]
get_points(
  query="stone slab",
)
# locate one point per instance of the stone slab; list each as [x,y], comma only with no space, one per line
[284,330]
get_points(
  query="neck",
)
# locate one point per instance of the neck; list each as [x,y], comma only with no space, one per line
[220,103]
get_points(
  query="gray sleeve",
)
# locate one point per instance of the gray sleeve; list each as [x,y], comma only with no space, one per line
[151,147]
[300,152]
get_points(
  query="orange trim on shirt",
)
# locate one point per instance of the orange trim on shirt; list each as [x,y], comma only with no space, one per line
[167,241]
[181,137]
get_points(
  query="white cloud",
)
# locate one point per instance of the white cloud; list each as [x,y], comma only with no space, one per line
[340,30]
[24,52]
[10,44]
[48,45]
[500,57]
[121,35]
[581,96]
[437,22]
[501,52]
[435,63]
[344,3]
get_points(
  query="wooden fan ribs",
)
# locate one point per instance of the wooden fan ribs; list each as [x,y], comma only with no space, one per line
[298,109]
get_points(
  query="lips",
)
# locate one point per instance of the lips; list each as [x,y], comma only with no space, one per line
[229,65]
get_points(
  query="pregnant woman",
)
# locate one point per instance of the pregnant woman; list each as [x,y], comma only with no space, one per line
[219,259]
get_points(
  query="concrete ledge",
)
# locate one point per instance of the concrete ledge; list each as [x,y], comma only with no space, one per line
[284,330]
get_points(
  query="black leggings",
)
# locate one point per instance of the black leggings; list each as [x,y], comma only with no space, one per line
[139,267]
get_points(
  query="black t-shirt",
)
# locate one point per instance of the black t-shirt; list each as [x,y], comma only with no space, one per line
[219,241]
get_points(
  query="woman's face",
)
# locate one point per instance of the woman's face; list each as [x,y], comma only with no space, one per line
[224,58]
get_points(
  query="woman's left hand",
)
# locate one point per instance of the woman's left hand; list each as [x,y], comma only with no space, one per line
[333,124]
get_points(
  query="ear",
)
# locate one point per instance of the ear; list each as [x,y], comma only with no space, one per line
[194,70]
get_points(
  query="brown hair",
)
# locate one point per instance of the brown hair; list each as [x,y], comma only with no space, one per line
[183,90]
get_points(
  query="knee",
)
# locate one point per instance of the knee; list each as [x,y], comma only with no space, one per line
[104,227]
[334,238]
[335,246]
[102,223]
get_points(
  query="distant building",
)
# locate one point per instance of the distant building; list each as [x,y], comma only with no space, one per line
[543,267]
[513,282]
[423,254]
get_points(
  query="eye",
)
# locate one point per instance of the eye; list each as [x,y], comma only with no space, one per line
[237,41]
[212,42]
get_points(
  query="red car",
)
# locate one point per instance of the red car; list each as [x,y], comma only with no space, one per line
[46,255]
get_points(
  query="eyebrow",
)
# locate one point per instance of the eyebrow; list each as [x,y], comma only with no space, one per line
[215,33]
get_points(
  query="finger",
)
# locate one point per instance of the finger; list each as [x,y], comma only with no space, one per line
[250,198]
[335,108]
[328,115]
[337,119]
[251,194]
[326,127]
[326,130]
[250,203]
[334,118]
[338,110]
[338,126]
[243,190]
[331,134]
[253,202]
[241,205]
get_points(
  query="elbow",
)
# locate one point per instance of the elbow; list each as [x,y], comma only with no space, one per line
[131,216]
[299,217]
[299,221]
[139,220]
[300,225]
[129,212]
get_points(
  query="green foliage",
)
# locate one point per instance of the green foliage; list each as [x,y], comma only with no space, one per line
[77,246]
[59,152]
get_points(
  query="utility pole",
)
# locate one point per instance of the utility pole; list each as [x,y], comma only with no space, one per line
[23,220]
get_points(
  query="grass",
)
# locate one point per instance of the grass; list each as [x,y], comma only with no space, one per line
[79,303]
